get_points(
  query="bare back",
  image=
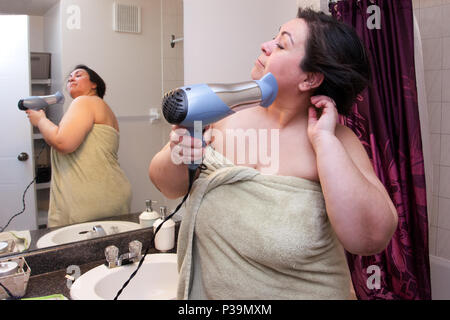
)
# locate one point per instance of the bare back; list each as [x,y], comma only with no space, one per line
[103,114]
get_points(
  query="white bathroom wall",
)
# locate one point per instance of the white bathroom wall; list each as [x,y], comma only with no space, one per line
[129,63]
[36,33]
[52,43]
[173,60]
[435,32]
[47,28]
[223,38]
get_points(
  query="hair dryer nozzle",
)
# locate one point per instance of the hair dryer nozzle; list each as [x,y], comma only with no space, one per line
[175,106]
[269,89]
[21,106]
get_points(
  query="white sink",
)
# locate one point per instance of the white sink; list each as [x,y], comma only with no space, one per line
[157,279]
[81,231]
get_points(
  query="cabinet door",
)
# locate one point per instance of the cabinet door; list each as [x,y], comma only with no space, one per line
[15,130]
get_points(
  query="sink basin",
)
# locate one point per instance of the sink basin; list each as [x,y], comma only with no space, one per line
[157,279]
[81,231]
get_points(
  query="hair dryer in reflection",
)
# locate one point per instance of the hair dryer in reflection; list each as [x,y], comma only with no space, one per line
[208,103]
[40,102]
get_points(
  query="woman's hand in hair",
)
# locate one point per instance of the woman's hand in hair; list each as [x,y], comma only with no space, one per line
[322,118]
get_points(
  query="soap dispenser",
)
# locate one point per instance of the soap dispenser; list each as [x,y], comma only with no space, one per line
[165,238]
[149,216]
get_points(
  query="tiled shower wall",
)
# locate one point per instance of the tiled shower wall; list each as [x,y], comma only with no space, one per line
[432,17]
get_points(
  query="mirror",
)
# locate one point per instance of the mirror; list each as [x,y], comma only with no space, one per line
[137,68]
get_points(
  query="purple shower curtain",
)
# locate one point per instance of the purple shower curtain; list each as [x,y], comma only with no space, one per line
[386,120]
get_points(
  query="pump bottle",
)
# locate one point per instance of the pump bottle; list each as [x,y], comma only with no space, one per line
[149,216]
[165,238]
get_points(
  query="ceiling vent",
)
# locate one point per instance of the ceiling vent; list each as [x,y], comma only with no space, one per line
[126,18]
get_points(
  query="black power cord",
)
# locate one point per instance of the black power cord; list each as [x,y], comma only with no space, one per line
[192,173]
[23,196]
[10,295]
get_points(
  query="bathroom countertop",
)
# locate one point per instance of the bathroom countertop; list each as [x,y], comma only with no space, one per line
[53,282]
[50,266]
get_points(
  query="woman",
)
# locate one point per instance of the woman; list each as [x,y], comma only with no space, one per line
[248,235]
[87,182]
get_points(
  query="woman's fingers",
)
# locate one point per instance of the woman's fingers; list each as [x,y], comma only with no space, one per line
[322,101]
[184,147]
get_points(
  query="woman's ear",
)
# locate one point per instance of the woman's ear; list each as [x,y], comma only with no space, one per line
[312,81]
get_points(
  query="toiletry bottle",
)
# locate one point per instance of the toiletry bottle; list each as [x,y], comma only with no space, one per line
[165,238]
[149,216]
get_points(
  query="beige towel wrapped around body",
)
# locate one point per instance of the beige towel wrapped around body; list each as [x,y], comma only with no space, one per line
[88,184]
[246,235]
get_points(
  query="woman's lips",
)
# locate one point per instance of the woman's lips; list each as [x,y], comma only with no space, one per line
[260,63]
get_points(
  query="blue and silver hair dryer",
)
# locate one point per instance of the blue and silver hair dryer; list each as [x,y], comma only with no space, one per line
[196,106]
[40,102]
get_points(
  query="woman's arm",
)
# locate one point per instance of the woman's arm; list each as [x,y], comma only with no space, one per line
[168,170]
[169,178]
[73,128]
[358,206]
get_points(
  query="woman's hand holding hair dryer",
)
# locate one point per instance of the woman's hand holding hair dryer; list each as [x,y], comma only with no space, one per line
[184,148]
[168,168]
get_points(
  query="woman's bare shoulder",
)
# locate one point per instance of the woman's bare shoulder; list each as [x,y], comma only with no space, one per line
[87,102]
[89,99]
[244,119]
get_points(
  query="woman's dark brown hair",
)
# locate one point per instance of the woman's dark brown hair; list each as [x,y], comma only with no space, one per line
[335,50]
[95,78]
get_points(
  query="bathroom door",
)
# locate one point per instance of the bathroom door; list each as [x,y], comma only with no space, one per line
[15,129]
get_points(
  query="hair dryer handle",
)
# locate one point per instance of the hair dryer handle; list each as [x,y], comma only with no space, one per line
[197,132]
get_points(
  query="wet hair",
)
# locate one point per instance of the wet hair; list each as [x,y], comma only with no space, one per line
[335,50]
[95,78]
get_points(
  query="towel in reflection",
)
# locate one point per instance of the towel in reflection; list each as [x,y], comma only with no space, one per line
[88,184]
[21,240]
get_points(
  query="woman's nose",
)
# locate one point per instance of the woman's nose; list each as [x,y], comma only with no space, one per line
[267,47]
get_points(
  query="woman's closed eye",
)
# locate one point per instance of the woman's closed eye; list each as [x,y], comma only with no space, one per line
[277,43]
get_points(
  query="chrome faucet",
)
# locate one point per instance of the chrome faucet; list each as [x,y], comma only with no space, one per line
[97,231]
[114,260]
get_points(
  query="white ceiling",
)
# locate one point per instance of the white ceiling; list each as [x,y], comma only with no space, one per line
[28,7]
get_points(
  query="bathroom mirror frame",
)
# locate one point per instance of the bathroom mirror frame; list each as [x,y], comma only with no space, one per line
[33,8]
